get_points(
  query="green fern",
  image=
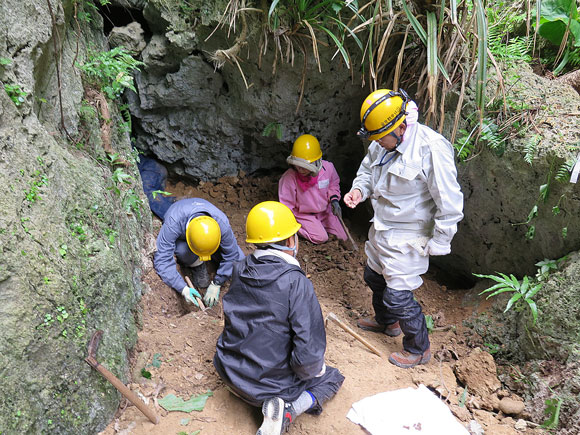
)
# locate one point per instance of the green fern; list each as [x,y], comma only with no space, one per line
[491,135]
[273,127]
[508,49]
[564,171]
[531,147]
[463,146]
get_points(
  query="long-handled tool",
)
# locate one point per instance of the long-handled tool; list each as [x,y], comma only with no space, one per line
[332,316]
[354,245]
[201,305]
[132,397]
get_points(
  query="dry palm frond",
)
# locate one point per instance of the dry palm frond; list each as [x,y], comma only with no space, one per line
[400,60]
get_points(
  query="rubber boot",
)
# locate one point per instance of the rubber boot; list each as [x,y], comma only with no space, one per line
[200,276]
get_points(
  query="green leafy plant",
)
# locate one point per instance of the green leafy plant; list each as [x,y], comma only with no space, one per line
[559,23]
[62,314]
[273,127]
[430,323]
[119,177]
[564,171]
[531,147]
[39,180]
[492,348]
[111,234]
[111,70]
[77,229]
[16,93]
[160,192]
[553,411]
[546,267]
[523,290]
[132,203]
[5,61]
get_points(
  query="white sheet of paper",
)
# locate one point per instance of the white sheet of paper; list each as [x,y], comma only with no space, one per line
[405,412]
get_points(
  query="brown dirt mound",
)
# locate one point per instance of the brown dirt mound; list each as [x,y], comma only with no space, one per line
[185,342]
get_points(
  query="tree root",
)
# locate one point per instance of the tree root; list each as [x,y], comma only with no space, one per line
[100,102]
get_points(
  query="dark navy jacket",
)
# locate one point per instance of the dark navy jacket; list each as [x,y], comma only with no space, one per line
[174,225]
[274,339]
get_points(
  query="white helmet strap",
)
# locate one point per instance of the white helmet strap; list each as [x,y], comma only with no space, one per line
[313,167]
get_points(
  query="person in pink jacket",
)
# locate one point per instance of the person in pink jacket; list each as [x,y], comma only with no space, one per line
[310,188]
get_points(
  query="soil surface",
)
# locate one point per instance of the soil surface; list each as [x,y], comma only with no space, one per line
[182,343]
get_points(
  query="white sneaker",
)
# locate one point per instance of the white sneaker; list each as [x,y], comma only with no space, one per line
[273,410]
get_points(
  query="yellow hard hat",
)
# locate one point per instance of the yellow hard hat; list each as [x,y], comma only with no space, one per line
[306,147]
[381,112]
[270,221]
[203,236]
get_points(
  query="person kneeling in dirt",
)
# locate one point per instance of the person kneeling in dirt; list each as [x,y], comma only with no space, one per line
[271,351]
[194,230]
[409,173]
[311,189]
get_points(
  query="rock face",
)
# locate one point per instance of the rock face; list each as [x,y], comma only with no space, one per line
[500,192]
[205,124]
[70,246]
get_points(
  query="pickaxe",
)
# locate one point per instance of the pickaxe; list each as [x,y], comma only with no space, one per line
[354,245]
[332,316]
[132,397]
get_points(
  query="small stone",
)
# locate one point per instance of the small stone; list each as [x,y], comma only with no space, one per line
[475,428]
[510,406]
[521,425]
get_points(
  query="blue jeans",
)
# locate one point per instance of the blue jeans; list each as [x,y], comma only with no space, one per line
[398,305]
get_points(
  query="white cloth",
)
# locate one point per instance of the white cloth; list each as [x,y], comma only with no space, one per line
[271,251]
[405,412]
[417,189]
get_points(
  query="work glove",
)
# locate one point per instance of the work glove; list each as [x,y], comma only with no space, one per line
[435,248]
[189,294]
[212,294]
[336,208]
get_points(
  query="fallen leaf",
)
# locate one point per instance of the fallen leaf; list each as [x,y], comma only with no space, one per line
[174,403]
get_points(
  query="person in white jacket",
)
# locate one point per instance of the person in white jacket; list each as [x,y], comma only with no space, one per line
[410,176]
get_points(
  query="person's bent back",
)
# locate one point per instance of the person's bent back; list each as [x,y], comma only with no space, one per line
[271,352]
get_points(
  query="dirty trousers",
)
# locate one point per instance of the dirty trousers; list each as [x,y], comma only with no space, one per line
[398,305]
[322,388]
[317,226]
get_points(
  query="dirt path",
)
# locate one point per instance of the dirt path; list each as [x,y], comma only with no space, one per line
[185,342]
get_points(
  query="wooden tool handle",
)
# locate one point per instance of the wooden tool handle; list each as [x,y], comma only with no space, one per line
[332,316]
[188,281]
[354,245]
[131,397]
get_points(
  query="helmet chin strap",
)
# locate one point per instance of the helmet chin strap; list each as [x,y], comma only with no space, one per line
[397,137]
[286,248]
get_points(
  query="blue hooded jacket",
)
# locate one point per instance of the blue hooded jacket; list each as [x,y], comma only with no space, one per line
[174,226]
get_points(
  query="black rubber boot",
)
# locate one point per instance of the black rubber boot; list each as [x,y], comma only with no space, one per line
[200,276]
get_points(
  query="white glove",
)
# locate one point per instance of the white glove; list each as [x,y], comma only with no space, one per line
[212,294]
[322,371]
[435,248]
[189,294]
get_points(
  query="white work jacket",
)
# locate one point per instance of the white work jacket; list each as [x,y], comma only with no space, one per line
[417,188]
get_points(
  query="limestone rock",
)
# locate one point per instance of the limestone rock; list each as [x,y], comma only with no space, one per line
[478,372]
[130,36]
[510,406]
[443,381]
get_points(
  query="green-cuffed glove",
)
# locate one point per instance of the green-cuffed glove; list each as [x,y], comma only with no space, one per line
[212,294]
[189,294]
